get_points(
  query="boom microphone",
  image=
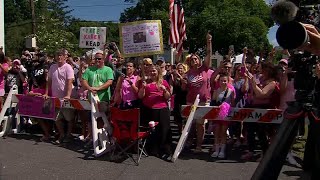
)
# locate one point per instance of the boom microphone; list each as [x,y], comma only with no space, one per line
[291,34]
[284,11]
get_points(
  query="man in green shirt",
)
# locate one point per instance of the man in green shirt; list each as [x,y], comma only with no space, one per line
[98,79]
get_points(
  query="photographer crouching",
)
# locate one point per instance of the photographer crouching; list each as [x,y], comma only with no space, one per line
[294,34]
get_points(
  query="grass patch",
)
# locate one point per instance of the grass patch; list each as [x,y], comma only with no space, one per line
[299,144]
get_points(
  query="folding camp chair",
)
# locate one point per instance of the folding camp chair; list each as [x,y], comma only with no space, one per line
[127,134]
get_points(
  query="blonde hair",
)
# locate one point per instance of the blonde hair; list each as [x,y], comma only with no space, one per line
[188,59]
[184,67]
[159,78]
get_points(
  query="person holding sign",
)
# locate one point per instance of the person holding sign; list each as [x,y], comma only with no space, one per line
[97,79]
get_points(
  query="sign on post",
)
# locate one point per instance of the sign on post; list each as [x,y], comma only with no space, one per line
[36,107]
[92,37]
[141,38]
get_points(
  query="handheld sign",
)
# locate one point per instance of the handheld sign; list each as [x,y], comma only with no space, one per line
[141,38]
[92,37]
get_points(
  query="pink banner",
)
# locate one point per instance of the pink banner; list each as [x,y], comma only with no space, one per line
[36,107]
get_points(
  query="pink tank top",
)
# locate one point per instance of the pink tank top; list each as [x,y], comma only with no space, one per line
[126,90]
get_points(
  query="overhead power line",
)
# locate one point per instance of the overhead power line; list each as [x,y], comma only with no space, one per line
[102,5]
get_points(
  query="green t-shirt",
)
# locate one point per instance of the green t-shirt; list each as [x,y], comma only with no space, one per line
[97,77]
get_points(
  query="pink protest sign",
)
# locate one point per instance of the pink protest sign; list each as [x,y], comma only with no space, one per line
[36,107]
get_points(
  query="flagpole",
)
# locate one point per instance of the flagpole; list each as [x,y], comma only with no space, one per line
[173,60]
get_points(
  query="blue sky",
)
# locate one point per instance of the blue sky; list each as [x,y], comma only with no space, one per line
[110,10]
[98,10]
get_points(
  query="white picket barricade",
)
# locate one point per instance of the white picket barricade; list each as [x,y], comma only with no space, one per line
[6,120]
[101,137]
[102,141]
[236,114]
[185,132]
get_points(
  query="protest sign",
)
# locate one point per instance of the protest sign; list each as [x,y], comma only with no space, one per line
[92,37]
[141,38]
[36,107]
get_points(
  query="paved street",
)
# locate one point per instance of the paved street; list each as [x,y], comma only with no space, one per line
[23,157]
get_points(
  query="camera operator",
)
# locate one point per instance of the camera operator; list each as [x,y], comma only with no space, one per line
[313,46]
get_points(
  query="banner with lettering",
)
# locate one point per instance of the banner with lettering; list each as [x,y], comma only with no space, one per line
[92,37]
[36,107]
[141,38]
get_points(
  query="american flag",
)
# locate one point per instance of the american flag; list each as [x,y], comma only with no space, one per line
[177,26]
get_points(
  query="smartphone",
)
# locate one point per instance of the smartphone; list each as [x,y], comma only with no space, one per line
[242,70]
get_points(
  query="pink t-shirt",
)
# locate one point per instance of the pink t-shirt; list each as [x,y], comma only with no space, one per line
[199,83]
[154,98]
[59,77]
[2,75]
[127,92]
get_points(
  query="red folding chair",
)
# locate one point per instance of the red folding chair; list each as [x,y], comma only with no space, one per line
[127,134]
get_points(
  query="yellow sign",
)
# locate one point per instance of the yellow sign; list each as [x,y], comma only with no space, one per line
[141,38]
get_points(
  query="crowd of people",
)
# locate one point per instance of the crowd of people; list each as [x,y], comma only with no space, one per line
[150,85]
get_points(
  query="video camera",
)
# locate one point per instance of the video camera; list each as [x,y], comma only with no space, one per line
[291,34]
[303,64]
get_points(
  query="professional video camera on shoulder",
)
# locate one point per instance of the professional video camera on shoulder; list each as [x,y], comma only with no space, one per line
[294,22]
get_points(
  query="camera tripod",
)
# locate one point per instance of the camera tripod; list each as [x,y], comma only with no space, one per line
[273,160]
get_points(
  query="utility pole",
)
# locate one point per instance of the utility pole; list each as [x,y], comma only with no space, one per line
[33,15]
[2,43]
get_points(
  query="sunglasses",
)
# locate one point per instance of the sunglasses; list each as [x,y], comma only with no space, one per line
[98,59]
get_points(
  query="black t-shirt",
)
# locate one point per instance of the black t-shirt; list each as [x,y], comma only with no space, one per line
[13,78]
[39,75]
[116,74]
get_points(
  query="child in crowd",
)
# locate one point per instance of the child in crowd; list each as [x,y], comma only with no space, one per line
[224,97]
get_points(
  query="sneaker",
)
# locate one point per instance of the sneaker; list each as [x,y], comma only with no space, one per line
[222,155]
[60,140]
[247,156]
[45,139]
[198,150]
[290,159]
[215,154]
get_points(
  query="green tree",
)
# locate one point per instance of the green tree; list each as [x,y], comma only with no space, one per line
[238,22]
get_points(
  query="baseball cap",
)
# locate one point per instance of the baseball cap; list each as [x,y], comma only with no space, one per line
[284,61]
[147,61]
[160,60]
[16,61]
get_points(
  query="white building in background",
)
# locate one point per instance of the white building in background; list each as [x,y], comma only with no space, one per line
[2,24]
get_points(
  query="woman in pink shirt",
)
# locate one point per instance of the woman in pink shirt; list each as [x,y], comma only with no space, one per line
[155,93]
[4,68]
[126,92]
[197,81]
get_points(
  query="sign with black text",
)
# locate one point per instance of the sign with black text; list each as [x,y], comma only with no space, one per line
[92,37]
